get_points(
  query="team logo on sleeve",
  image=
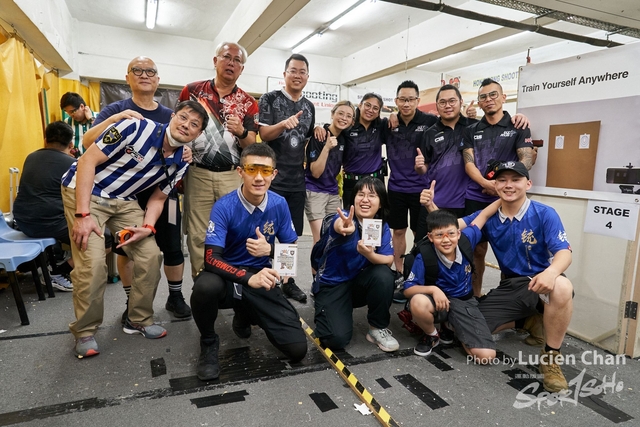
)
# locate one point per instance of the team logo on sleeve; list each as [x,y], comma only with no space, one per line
[562,236]
[111,136]
[211,228]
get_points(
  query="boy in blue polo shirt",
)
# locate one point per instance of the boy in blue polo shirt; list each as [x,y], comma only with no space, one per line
[450,298]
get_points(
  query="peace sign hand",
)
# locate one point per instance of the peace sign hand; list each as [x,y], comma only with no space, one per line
[344,224]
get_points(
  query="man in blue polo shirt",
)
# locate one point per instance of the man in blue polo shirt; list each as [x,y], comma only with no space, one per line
[524,234]
[100,189]
[237,272]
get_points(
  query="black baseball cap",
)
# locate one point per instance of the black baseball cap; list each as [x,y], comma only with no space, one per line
[496,167]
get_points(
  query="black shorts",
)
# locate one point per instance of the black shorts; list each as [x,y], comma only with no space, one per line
[295,201]
[400,205]
[467,321]
[511,300]
[472,206]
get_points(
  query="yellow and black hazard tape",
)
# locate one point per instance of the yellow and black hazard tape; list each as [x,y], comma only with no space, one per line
[378,411]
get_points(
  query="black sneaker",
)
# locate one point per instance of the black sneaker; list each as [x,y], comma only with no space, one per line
[399,298]
[175,303]
[208,366]
[398,295]
[426,344]
[446,334]
[241,328]
[291,290]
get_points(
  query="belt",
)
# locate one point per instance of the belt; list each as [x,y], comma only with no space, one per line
[214,168]
[357,177]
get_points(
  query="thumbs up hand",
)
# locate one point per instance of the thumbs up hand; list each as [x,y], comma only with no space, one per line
[258,247]
[292,121]
[426,196]
[419,165]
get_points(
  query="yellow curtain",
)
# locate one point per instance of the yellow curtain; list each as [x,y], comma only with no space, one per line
[21,129]
[55,87]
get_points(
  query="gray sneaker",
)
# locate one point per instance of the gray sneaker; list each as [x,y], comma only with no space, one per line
[383,339]
[152,331]
[86,347]
[61,283]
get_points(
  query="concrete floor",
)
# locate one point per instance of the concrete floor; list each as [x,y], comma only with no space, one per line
[135,381]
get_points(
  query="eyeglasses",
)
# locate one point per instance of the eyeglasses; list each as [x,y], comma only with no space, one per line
[406,100]
[150,72]
[72,111]
[344,115]
[492,95]
[370,106]
[443,103]
[252,170]
[183,118]
[295,72]
[231,60]
[450,234]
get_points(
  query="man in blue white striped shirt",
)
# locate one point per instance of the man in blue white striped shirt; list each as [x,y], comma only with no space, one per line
[100,190]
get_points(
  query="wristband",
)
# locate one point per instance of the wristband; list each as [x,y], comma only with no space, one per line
[150,227]
[245,133]
[82,214]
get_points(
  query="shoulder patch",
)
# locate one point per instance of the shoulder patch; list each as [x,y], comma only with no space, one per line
[111,136]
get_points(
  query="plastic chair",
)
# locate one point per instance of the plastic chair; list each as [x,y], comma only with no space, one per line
[8,234]
[13,254]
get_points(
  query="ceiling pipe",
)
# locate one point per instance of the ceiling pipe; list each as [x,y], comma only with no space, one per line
[467,14]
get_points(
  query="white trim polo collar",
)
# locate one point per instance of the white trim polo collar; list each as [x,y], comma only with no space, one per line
[519,215]
[248,206]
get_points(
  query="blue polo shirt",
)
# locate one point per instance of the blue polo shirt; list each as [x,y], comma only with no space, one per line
[134,150]
[343,261]
[525,245]
[454,277]
[233,220]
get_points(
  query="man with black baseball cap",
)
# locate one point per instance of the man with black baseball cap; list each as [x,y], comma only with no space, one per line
[522,234]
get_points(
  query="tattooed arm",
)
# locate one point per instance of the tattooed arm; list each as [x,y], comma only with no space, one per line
[475,174]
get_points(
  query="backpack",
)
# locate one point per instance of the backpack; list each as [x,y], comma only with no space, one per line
[430,259]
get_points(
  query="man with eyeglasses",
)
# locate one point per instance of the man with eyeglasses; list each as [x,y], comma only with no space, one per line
[233,124]
[405,184]
[143,79]
[494,137]
[81,118]
[287,119]
[238,273]
[100,190]
[440,156]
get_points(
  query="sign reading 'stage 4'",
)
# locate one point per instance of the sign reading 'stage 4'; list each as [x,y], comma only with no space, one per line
[611,219]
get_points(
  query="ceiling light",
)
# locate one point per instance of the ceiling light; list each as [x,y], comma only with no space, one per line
[345,16]
[500,40]
[152,13]
[304,44]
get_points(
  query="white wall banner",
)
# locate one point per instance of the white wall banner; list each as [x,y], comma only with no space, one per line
[323,95]
[356,94]
[600,75]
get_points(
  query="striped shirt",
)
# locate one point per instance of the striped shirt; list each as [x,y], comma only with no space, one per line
[79,129]
[134,150]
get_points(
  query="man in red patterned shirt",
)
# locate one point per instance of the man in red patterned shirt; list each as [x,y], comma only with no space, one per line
[233,124]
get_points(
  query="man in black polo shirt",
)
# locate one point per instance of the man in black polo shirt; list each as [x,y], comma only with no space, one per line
[286,122]
[493,137]
[405,184]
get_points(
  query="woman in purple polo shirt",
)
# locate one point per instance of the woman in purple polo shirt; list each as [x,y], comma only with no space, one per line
[324,160]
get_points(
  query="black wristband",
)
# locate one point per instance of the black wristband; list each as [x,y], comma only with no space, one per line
[245,133]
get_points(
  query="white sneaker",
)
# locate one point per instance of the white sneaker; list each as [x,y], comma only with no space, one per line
[383,339]
[61,283]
